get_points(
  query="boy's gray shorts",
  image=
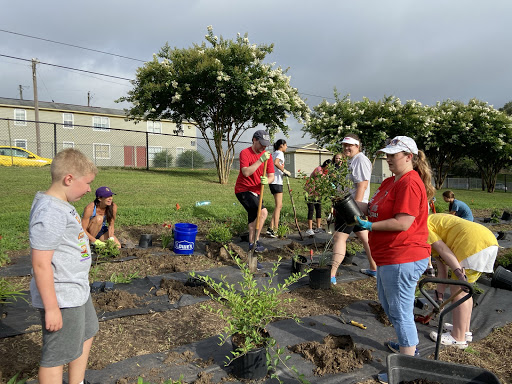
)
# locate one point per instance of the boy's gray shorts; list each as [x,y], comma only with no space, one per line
[65,345]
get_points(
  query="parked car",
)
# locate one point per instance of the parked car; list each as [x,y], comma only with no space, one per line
[500,187]
[21,157]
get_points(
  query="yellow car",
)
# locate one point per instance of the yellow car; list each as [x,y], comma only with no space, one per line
[21,157]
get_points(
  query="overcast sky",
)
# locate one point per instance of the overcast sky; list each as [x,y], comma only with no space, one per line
[427,50]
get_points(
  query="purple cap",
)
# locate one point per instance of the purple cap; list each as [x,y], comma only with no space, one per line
[104,192]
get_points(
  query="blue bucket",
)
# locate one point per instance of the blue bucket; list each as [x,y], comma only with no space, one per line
[184,238]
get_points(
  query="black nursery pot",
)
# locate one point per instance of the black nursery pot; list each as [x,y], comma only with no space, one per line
[252,365]
[346,209]
[347,260]
[146,240]
[506,216]
[502,278]
[320,277]
[299,264]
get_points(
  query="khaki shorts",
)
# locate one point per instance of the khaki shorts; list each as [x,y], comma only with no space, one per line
[65,345]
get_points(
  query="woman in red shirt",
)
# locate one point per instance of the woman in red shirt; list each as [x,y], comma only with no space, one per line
[398,236]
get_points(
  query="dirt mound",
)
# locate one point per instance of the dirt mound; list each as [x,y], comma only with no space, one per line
[336,354]
[115,300]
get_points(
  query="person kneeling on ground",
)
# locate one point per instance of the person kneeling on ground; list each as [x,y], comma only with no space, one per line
[99,217]
[469,249]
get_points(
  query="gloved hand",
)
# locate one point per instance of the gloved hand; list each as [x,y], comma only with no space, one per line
[99,243]
[265,156]
[287,173]
[364,223]
[264,180]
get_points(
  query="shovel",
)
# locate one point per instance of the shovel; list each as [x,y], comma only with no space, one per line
[435,311]
[251,260]
[293,206]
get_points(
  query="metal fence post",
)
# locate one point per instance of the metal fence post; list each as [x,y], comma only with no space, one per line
[54,139]
[147,151]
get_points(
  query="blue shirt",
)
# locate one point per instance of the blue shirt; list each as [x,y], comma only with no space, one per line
[461,210]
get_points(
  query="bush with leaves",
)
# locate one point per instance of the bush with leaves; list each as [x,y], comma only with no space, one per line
[248,307]
[190,159]
[162,159]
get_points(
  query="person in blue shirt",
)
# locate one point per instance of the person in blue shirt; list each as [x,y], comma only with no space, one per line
[457,207]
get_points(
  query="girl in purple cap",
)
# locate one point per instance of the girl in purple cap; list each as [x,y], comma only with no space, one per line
[99,217]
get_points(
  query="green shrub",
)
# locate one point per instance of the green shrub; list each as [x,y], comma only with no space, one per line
[162,159]
[219,233]
[190,159]
[14,380]
[495,215]
[124,278]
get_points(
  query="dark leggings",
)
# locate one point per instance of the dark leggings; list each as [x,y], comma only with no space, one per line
[312,207]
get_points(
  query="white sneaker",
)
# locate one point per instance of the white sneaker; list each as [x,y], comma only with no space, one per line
[447,339]
[449,327]
[310,232]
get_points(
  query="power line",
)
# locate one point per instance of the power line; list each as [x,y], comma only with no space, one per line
[72,45]
[70,68]
[118,77]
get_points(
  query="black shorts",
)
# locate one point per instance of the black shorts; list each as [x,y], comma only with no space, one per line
[250,202]
[276,188]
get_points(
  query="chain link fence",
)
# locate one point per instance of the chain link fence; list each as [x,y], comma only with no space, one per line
[115,147]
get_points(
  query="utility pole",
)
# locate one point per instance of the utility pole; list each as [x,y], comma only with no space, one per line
[36,107]
[21,91]
[89,98]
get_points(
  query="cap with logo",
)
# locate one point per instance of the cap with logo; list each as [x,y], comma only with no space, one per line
[263,137]
[400,144]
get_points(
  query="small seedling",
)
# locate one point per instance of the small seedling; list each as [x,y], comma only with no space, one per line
[471,350]
[108,250]
[167,236]
[10,292]
[283,230]
[123,278]
[14,380]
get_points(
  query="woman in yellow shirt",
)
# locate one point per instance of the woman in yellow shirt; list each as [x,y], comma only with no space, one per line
[469,249]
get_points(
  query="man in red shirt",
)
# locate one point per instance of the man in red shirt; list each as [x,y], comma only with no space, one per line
[249,181]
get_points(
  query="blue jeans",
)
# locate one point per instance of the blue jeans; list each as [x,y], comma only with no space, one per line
[396,285]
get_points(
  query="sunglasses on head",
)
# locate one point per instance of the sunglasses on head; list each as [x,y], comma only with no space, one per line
[395,142]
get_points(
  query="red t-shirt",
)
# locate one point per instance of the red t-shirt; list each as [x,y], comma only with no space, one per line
[407,195]
[253,182]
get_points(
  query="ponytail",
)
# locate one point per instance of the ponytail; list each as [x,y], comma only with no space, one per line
[421,165]
[278,144]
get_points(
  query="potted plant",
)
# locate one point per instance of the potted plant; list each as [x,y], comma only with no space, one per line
[320,274]
[353,247]
[247,308]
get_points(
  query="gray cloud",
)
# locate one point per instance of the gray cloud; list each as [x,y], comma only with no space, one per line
[428,50]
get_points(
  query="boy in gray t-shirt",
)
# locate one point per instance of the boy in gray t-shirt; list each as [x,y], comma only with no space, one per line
[61,259]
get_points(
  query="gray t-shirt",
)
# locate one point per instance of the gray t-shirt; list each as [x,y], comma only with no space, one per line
[360,170]
[56,225]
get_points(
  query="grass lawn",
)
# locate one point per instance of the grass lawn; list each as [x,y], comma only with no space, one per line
[150,197]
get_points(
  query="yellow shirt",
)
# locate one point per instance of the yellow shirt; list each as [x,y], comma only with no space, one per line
[465,238]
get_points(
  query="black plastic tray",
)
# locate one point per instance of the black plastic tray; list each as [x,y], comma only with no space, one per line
[408,368]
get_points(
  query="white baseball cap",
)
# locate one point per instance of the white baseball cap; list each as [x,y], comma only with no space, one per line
[350,140]
[400,144]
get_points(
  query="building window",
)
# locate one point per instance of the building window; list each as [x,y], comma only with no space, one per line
[179,151]
[22,143]
[155,126]
[101,151]
[152,151]
[100,123]
[67,120]
[20,117]
[192,143]
[68,144]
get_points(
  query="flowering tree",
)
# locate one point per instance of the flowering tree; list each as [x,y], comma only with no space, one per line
[444,141]
[489,140]
[222,88]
